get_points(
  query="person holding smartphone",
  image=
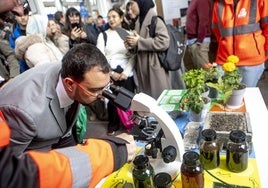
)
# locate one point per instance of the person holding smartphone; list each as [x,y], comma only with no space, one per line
[75,30]
[122,62]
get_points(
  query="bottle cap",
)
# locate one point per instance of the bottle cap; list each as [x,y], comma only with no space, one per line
[162,180]
[237,136]
[209,134]
[191,158]
[141,161]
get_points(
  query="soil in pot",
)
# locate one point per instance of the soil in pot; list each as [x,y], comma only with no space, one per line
[221,122]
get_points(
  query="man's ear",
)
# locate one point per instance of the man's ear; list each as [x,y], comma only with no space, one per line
[68,84]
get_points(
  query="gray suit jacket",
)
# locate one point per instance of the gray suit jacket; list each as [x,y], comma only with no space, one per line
[31,107]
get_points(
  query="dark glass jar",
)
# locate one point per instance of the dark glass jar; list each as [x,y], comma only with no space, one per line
[162,180]
[209,149]
[237,151]
[143,172]
[192,175]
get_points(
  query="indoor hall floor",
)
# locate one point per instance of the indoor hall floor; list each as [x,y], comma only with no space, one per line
[98,128]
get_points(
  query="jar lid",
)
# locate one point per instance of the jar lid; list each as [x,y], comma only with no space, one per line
[162,180]
[191,158]
[209,134]
[141,161]
[237,136]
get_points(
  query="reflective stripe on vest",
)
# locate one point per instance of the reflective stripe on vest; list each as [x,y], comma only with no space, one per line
[82,175]
[252,26]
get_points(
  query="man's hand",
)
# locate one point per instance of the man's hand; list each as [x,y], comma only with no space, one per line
[131,147]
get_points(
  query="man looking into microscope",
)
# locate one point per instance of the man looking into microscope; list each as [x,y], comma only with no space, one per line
[77,166]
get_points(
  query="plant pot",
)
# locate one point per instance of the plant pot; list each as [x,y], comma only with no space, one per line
[206,92]
[200,117]
[213,93]
[236,99]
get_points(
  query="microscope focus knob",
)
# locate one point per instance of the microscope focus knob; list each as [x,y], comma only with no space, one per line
[169,154]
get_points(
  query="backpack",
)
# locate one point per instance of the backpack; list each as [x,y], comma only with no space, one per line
[104,37]
[172,57]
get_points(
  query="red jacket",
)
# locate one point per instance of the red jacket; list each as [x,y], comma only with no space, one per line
[79,166]
[198,21]
[241,30]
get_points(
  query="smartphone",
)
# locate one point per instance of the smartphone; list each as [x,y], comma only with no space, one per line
[75,25]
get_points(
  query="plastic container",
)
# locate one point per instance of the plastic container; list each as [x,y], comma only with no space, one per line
[192,175]
[143,172]
[209,148]
[237,151]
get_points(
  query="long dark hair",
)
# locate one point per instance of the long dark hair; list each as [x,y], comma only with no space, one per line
[68,26]
[131,22]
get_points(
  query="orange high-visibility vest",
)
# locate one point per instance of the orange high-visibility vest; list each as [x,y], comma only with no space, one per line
[241,30]
[78,166]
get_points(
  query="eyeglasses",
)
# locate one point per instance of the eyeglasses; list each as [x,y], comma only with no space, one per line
[94,92]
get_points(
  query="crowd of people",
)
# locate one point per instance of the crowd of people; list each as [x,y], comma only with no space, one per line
[51,69]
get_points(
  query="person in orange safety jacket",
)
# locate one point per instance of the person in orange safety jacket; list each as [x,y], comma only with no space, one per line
[241,29]
[78,166]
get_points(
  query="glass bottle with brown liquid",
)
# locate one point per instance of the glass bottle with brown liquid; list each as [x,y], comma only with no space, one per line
[209,149]
[192,175]
[237,151]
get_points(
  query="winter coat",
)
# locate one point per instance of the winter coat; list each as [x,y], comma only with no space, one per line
[35,50]
[62,42]
[9,60]
[152,77]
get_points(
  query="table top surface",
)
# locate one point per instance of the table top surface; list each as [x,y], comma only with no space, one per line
[259,119]
[255,106]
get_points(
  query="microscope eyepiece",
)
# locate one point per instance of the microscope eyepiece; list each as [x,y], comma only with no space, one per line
[108,94]
[119,96]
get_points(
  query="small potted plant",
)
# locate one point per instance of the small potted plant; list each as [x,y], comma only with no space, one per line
[194,100]
[195,78]
[195,103]
[229,82]
[212,74]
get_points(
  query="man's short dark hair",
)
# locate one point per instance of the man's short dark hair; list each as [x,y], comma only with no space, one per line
[80,59]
